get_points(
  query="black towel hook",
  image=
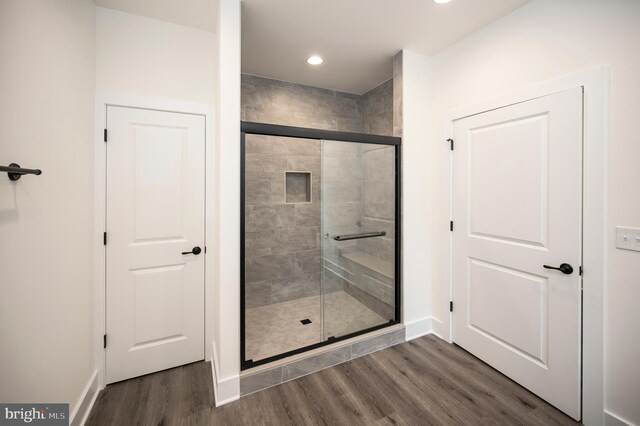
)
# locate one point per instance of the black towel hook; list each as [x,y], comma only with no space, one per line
[14,171]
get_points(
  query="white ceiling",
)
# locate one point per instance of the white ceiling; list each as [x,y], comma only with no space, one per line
[356,38]
[200,14]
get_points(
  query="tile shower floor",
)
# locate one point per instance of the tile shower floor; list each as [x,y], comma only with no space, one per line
[274,329]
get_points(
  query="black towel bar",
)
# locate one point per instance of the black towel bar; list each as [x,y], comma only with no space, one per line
[14,171]
[359,236]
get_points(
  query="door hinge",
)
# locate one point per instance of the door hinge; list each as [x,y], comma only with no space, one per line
[451,226]
[104,238]
[450,143]
[451,306]
[105,135]
[104,341]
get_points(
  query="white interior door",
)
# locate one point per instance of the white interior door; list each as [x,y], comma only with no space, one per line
[517,206]
[155,212]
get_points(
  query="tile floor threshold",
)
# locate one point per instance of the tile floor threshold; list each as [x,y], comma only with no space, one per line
[281,371]
[321,350]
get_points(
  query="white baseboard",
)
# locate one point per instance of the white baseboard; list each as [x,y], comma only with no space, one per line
[85,403]
[611,419]
[214,374]
[422,327]
[436,327]
[228,390]
[224,390]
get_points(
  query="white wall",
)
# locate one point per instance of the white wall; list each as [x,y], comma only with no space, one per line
[47,81]
[227,273]
[145,56]
[541,41]
[418,222]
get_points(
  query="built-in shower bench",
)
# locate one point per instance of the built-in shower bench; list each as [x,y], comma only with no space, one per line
[373,263]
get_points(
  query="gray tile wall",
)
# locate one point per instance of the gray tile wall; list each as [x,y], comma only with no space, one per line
[397,94]
[282,240]
[278,102]
[359,197]
[378,199]
[341,198]
[372,288]
[377,110]
[283,259]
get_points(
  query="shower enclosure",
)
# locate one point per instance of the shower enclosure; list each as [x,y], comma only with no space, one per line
[320,238]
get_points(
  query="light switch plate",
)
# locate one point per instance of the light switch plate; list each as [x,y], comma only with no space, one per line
[628,238]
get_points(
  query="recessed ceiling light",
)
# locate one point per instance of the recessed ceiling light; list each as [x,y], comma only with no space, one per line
[314,60]
[441,1]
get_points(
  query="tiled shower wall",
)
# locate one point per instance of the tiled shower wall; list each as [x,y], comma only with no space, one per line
[282,241]
[282,253]
[378,173]
[378,214]
[278,102]
[374,265]
[357,199]
[283,259]
[342,200]
[377,110]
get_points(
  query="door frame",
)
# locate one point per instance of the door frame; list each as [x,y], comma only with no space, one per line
[128,100]
[595,83]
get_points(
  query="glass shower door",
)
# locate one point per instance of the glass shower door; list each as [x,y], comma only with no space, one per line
[281,254]
[358,219]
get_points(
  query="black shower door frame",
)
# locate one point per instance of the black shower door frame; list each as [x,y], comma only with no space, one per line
[251,128]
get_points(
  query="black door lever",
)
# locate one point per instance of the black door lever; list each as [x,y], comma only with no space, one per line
[565,268]
[196,250]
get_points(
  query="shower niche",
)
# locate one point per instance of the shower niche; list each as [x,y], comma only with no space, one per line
[297,187]
[320,246]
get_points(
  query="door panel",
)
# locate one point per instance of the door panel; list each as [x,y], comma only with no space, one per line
[157,303]
[155,211]
[492,212]
[509,307]
[517,207]
[358,244]
[159,163]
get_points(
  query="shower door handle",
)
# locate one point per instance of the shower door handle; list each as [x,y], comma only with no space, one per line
[359,236]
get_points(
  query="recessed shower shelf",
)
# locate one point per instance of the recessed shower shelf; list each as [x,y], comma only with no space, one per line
[297,187]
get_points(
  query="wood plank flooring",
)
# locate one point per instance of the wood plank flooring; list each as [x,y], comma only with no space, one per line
[422,382]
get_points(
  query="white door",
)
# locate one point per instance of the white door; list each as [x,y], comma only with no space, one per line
[155,217]
[517,199]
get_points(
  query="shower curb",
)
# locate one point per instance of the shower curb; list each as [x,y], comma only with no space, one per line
[266,377]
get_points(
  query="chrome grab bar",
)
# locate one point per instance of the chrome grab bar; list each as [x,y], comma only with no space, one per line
[359,236]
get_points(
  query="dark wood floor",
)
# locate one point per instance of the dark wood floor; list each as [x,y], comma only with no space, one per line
[422,382]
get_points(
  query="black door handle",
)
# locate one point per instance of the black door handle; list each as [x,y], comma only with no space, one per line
[196,250]
[565,268]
